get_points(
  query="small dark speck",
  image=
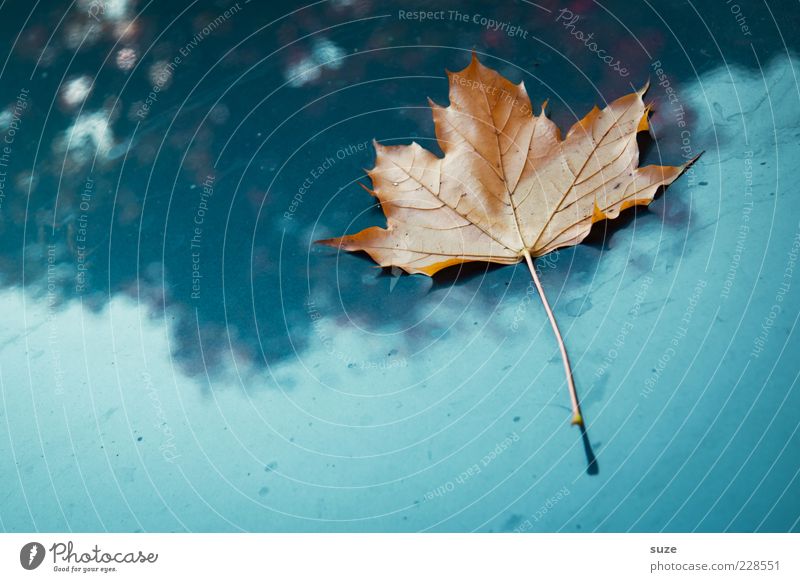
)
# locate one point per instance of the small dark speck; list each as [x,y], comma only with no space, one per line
[351,365]
[516,419]
[140,439]
[513,521]
[763,163]
[263,491]
[703,183]
[474,323]
[577,526]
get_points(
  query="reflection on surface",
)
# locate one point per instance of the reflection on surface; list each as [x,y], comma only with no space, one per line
[123,126]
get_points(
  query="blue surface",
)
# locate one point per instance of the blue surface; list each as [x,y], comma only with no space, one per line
[288,388]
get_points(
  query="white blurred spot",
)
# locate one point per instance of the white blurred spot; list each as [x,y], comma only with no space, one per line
[26,181]
[328,53]
[324,54]
[161,74]
[117,10]
[126,59]
[74,91]
[302,72]
[90,135]
[6,115]
[107,10]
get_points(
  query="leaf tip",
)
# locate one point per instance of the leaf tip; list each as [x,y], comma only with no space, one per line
[693,160]
[328,242]
[644,122]
[367,188]
[597,213]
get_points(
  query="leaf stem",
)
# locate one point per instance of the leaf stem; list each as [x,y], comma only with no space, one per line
[577,417]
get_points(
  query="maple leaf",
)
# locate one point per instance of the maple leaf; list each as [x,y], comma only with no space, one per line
[508,187]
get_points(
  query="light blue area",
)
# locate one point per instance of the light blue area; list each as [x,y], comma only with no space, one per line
[465,428]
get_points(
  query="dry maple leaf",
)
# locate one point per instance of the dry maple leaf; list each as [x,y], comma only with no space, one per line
[508,187]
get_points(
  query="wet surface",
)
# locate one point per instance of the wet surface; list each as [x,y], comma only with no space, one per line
[172,331]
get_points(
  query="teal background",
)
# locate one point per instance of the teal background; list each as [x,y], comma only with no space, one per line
[308,391]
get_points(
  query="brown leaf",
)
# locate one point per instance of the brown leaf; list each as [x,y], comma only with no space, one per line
[508,182]
[508,187]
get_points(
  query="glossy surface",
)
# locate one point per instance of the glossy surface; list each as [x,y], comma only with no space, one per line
[175,355]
